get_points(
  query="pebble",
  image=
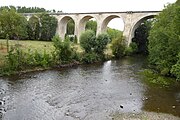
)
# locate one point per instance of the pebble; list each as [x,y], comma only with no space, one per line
[1,102]
[67,114]
[121,106]
[173,107]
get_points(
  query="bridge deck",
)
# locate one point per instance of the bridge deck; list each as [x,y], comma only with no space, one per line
[62,13]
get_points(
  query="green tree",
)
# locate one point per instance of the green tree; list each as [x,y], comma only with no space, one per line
[101,42]
[178,2]
[141,36]
[164,39]
[91,25]
[30,9]
[34,28]
[176,69]
[13,24]
[63,50]
[113,33]
[48,25]
[118,46]
[70,27]
[88,41]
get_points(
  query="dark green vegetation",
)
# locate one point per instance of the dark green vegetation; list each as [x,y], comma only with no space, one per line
[93,46]
[141,36]
[15,25]
[63,53]
[24,9]
[118,46]
[90,25]
[164,42]
[12,24]
[154,78]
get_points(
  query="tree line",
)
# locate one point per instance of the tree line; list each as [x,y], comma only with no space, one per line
[39,27]
[24,9]
[164,41]
[15,26]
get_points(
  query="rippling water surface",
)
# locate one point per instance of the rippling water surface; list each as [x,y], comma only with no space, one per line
[86,92]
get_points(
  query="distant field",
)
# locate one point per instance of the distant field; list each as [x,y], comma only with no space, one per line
[27,44]
[40,46]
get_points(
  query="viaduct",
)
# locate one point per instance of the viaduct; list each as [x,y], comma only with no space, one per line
[131,19]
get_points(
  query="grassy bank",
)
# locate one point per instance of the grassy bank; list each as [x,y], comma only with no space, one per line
[26,55]
[25,45]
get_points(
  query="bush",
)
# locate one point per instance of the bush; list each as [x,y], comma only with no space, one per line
[133,48]
[63,50]
[118,46]
[101,43]
[17,60]
[90,58]
[88,41]
[164,41]
[175,70]
[128,51]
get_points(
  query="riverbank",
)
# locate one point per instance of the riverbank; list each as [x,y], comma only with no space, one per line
[144,116]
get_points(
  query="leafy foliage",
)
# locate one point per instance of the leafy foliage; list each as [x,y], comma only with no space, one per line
[70,27]
[94,47]
[88,41]
[15,25]
[164,40]
[118,46]
[24,9]
[176,68]
[48,26]
[12,24]
[133,48]
[63,50]
[90,57]
[101,42]
[18,60]
[113,33]
[91,25]
[34,28]
[141,36]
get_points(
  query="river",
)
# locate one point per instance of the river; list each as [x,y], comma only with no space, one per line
[87,92]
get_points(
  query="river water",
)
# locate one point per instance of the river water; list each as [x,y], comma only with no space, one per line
[86,92]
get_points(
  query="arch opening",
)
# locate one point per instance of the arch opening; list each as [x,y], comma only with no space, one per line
[140,33]
[88,23]
[113,25]
[66,27]
[91,24]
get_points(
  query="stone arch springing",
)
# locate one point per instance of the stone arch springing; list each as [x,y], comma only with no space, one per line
[62,25]
[107,20]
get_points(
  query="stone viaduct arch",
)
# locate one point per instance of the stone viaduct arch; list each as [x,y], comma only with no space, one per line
[106,20]
[131,19]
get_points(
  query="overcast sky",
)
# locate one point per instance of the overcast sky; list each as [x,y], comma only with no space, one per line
[92,5]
